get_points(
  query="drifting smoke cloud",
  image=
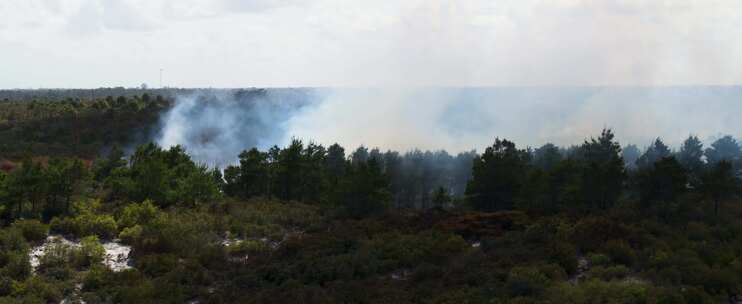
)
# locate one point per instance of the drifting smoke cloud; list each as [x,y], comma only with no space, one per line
[215,126]
[462,119]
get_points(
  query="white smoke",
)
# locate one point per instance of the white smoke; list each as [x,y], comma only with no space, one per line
[461,119]
[215,126]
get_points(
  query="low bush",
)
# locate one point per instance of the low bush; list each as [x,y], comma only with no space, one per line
[137,214]
[45,290]
[17,266]
[90,253]
[619,251]
[526,281]
[32,230]
[598,259]
[56,255]
[609,273]
[86,222]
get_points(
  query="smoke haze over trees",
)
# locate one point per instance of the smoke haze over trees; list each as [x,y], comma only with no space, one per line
[454,119]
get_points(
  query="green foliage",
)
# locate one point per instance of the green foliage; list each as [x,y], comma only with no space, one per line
[87,221]
[269,219]
[441,198]
[6,286]
[725,148]
[599,259]
[249,248]
[597,291]
[664,182]
[719,183]
[656,152]
[497,176]
[91,252]
[305,222]
[104,167]
[604,171]
[25,186]
[32,230]
[45,290]
[129,234]
[57,260]
[526,281]
[691,156]
[609,273]
[16,265]
[166,177]
[97,277]
[12,240]
[64,177]
[14,262]
[619,251]
[73,126]
[38,190]
[137,214]
[409,250]
[182,233]
[251,177]
[591,233]
[363,191]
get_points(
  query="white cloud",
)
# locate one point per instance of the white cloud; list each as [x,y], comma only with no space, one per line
[381,42]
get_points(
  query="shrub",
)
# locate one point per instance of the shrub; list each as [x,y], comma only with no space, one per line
[609,273]
[720,281]
[137,214]
[103,226]
[408,250]
[186,234]
[157,264]
[91,252]
[96,277]
[671,275]
[249,248]
[63,226]
[12,240]
[590,233]
[598,259]
[619,251]
[56,255]
[526,281]
[566,256]
[596,291]
[38,287]
[260,218]
[129,235]
[427,271]
[6,286]
[697,231]
[32,230]
[696,295]
[18,265]
[668,296]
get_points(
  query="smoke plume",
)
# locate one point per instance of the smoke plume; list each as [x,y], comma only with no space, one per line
[216,126]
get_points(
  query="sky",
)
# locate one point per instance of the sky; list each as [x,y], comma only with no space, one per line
[342,43]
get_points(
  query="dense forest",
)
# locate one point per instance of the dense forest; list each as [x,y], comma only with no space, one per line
[593,223]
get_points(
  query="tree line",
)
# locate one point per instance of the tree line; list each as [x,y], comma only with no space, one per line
[596,175]
[76,127]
